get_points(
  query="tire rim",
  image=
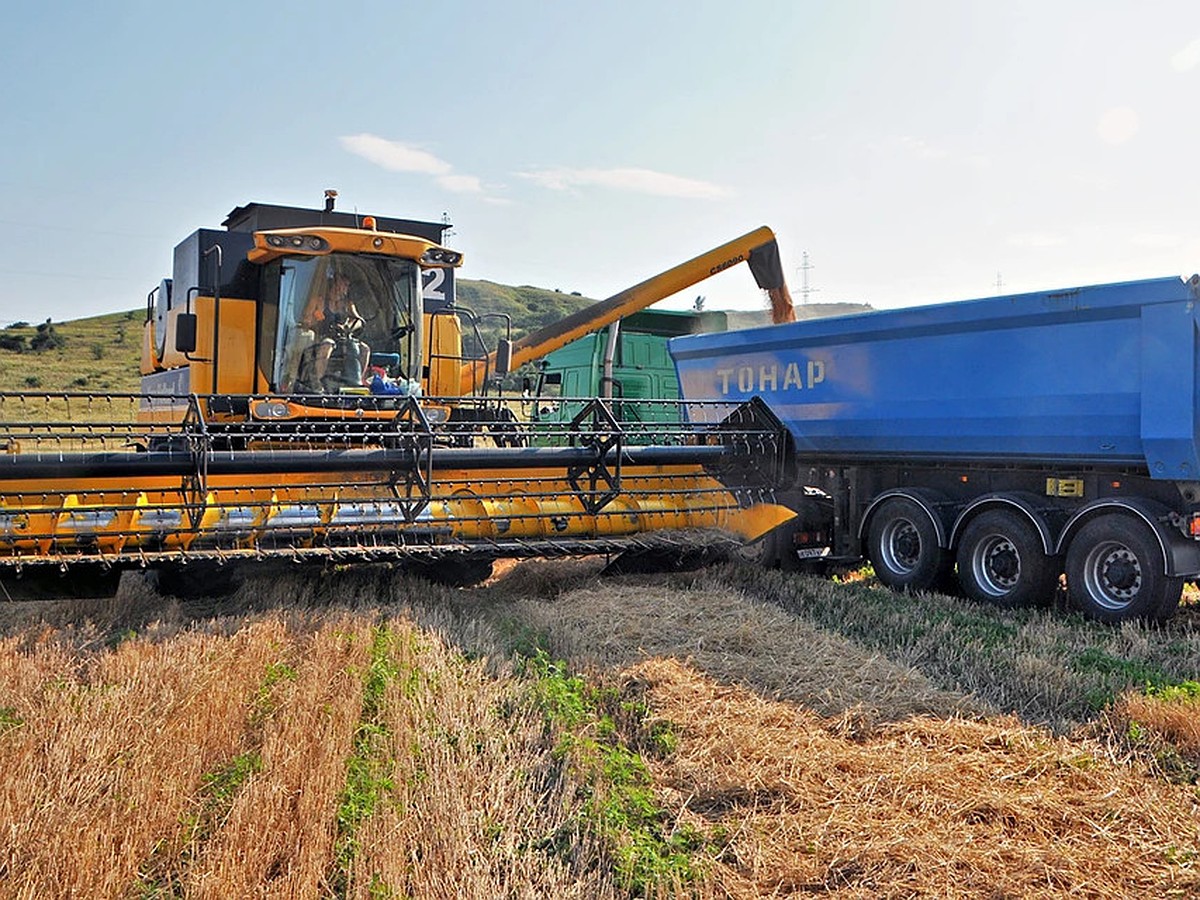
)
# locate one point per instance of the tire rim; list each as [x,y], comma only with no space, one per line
[900,546]
[996,565]
[1112,574]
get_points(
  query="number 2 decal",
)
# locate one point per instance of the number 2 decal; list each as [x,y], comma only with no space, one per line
[432,284]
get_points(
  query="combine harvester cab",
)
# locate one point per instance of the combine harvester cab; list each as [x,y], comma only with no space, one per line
[306,397]
[1007,440]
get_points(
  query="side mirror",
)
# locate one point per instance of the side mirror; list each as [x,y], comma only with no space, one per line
[503,357]
[185,333]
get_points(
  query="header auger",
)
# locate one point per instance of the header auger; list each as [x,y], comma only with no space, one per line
[110,492]
[305,397]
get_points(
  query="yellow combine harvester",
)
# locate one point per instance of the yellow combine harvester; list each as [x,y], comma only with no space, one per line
[306,396]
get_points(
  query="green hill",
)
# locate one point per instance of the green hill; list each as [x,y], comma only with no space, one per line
[529,307]
[97,354]
[526,308]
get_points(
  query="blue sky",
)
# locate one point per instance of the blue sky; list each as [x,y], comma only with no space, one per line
[917,151]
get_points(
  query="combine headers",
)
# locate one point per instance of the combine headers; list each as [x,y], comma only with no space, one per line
[293,406]
[87,490]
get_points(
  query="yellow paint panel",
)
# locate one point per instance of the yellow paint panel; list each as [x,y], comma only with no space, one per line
[755,521]
[443,352]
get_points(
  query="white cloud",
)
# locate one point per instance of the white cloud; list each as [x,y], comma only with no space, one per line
[1187,58]
[395,156]
[398,156]
[632,180]
[1118,124]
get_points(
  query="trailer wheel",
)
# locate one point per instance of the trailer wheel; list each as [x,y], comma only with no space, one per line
[1115,572]
[1001,561]
[902,545]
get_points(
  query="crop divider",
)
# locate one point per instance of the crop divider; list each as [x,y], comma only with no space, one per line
[416,491]
[596,427]
[198,443]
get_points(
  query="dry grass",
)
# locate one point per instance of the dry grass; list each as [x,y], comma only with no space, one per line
[106,752]
[1160,728]
[926,807]
[384,745]
[477,806]
[1043,665]
[1175,718]
[277,840]
[814,764]
[121,760]
[736,640]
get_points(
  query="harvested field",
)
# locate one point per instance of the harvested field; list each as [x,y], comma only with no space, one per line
[729,733]
[923,807]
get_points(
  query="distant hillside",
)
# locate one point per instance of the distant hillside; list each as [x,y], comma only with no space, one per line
[102,353]
[97,354]
[528,309]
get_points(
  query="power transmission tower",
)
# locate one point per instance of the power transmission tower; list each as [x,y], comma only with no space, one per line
[804,269]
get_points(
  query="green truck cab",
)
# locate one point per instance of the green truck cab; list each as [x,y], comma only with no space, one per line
[627,361]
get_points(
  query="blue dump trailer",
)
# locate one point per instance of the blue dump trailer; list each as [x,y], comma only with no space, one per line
[1004,441]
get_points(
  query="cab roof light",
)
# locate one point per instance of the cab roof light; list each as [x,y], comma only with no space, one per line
[440,256]
[310,242]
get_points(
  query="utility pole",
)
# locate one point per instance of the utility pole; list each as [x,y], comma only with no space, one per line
[803,269]
[999,284]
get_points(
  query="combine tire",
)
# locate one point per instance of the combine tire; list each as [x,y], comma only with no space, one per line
[774,550]
[659,560]
[196,580]
[903,547]
[1116,572]
[79,582]
[464,571]
[1001,561]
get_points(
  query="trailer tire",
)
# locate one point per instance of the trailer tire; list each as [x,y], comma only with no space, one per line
[1116,572]
[1001,560]
[902,544]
